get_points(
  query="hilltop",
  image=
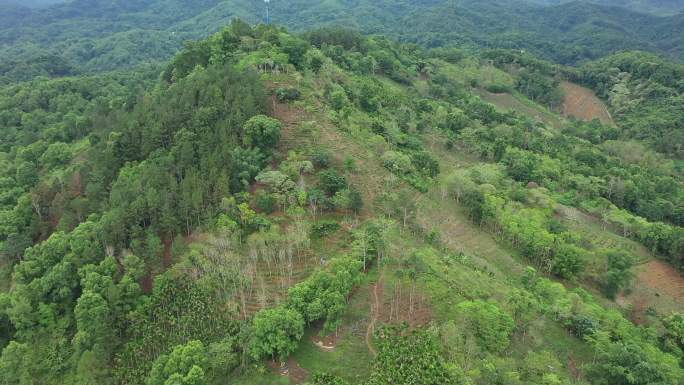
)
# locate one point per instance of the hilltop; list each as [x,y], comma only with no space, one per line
[334,208]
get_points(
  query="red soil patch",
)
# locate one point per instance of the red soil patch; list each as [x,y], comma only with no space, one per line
[658,287]
[146,283]
[406,305]
[572,367]
[289,116]
[581,103]
[289,369]
[662,278]
[167,258]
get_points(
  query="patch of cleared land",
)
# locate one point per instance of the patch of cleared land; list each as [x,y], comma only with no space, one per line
[583,104]
[505,102]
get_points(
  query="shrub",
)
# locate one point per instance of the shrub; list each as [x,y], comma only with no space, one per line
[287,94]
[276,332]
[266,203]
[331,181]
[262,132]
[321,158]
[490,325]
[498,88]
[324,228]
[582,326]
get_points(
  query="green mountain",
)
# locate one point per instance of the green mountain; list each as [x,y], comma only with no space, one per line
[442,192]
[88,36]
[658,7]
[30,3]
[333,208]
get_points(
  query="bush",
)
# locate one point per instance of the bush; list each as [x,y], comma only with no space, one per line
[327,379]
[324,228]
[582,326]
[266,203]
[321,159]
[490,325]
[397,162]
[276,333]
[331,181]
[287,94]
[498,88]
[262,132]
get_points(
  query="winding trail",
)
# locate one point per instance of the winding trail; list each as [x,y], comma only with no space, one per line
[375,310]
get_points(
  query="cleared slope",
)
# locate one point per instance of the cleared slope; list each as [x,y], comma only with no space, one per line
[582,103]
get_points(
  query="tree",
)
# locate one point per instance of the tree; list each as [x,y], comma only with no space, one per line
[93,322]
[15,365]
[567,261]
[278,184]
[355,200]
[673,338]
[524,308]
[618,274]
[262,132]
[185,365]
[491,326]
[276,333]
[26,174]
[331,181]
[57,154]
[629,363]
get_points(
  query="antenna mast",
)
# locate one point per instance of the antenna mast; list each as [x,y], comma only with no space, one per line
[268,16]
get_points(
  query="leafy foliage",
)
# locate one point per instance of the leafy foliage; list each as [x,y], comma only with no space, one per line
[410,358]
[491,326]
[276,333]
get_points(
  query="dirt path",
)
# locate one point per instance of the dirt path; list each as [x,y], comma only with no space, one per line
[375,311]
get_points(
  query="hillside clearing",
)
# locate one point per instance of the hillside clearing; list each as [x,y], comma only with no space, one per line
[583,104]
[506,102]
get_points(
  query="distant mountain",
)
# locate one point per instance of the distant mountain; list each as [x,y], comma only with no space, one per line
[31,3]
[98,35]
[658,7]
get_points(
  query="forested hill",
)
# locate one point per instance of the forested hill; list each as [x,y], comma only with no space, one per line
[334,209]
[86,36]
[101,35]
[31,3]
[569,33]
[660,7]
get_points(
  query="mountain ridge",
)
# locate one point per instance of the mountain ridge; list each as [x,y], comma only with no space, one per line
[79,31]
